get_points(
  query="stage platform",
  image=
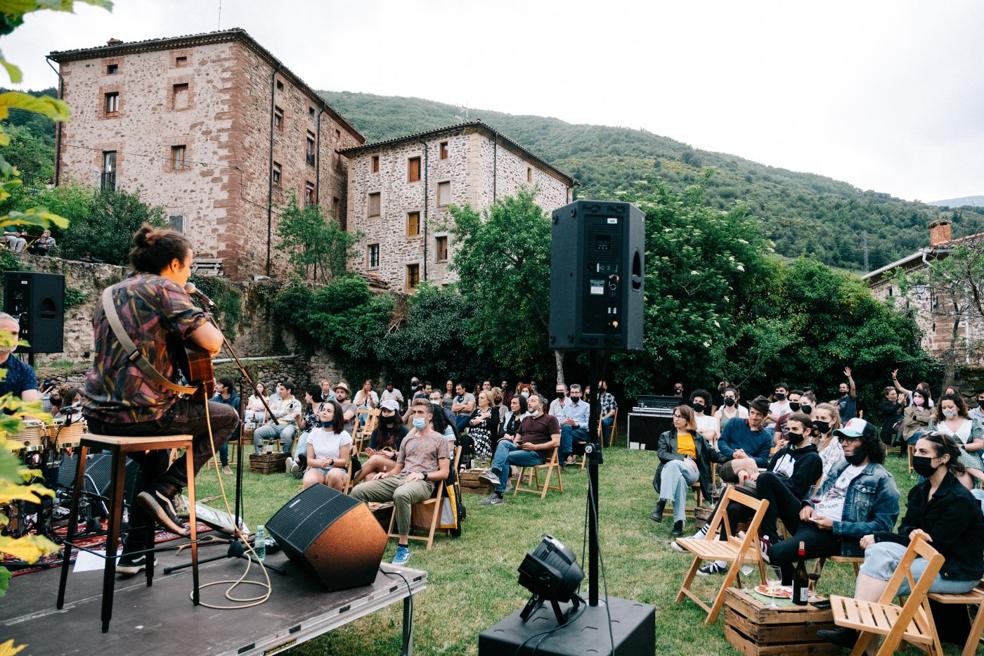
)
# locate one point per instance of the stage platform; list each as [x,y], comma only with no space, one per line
[161,620]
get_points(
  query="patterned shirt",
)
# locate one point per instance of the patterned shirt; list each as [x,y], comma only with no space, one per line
[421,453]
[150,308]
[607,402]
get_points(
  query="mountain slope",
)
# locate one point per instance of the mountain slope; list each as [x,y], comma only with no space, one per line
[966,201]
[802,213]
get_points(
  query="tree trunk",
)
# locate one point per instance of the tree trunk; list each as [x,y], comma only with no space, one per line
[559,358]
[950,356]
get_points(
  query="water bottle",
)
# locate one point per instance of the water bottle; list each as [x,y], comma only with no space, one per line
[259,544]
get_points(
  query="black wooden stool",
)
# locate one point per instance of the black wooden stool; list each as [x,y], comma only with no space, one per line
[120,447]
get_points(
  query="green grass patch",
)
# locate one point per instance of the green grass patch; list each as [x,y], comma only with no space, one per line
[472,579]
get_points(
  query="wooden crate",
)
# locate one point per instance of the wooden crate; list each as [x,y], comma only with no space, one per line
[268,463]
[753,628]
[470,483]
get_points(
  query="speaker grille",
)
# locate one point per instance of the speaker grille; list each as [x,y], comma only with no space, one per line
[307,515]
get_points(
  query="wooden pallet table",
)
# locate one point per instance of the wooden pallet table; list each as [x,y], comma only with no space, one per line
[470,483]
[267,463]
[753,628]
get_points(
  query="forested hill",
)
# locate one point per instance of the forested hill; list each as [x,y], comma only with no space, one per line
[801,212]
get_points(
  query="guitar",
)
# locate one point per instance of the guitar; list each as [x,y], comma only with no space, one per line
[195,365]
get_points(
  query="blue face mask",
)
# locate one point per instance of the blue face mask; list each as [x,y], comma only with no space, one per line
[419,423]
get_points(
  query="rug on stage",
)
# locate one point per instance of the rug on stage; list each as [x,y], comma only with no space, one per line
[18,567]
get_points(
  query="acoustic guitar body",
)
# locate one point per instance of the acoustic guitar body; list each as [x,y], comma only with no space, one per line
[195,365]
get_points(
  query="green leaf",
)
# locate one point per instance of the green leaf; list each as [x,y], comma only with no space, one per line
[4,580]
[53,108]
[12,71]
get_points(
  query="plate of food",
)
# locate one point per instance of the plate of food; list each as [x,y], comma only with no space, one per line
[775,591]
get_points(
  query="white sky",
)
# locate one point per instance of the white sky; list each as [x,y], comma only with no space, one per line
[887,94]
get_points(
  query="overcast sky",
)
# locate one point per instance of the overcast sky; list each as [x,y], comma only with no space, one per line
[887,95]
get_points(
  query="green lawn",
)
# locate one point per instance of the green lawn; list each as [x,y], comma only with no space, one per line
[472,579]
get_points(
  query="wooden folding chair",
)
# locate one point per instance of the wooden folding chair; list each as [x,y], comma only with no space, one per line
[912,622]
[733,550]
[368,420]
[532,484]
[611,436]
[973,598]
[436,503]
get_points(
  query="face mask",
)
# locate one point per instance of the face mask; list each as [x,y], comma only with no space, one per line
[806,409]
[524,394]
[822,427]
[795,438]
[950,414]
[780,396]
[561,395]
[923,466]
[575,399]
[728,401]
[325,424]
[855,458]
[794,406]
[419,423]
[918,400]
[389,422]
[980,403]
[698,407]
[534,413]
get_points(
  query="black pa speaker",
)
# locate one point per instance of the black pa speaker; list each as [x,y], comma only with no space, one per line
[331,534]
[597,266]
[38,300]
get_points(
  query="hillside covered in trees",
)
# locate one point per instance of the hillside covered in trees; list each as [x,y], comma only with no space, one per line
[802,213]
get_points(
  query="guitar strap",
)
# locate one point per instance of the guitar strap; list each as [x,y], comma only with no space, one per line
[133,354]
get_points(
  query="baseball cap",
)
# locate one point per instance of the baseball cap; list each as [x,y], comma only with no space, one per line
[855,427]
[390,404]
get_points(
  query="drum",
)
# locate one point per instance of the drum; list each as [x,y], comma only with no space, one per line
[66,437]
[30,437]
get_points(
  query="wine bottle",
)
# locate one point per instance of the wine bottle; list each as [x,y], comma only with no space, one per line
[801,582]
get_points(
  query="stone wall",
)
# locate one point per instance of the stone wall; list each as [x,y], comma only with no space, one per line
[223,191]
[478,170]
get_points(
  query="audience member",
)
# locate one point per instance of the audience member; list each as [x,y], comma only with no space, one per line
[327,393]
[847,403]
[283,424]
[940,510]
[683,460]
[512,418]
[700,401]
[608,407]
[255,410]
[366,397]
[306,422]
[730,408]
[463,405]
[892,410]
[780,404]
[538,434]
[859,497]
[225,392]
[748,438]
[483,425]
[393,393]
[422,461]
[826,419]
[977,412]
[385,441]
[329,448]
[952,420]
[573,421]
[14,239]
[43,245]
[349,410]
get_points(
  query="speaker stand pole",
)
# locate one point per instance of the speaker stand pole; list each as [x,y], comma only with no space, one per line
[593,453]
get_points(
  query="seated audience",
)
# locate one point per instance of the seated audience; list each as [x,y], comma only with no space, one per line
[391,393]
[283,424]
[514,416]
[858,497]
[422,460]
[484,425]
[892,409]
[573,424]
[977,412]
[826,419]
[255,412]
[538,435]
[349,410]
[700,401]
[941,510]
[923,386]
[306,422]
[730,408]
[14,239]
[917,417]
[779,405]
[951,419]
[384,443]
[329,447]
[463,405]
[225,392]
[608,407]
[748,438]
[683,460]
[42,245]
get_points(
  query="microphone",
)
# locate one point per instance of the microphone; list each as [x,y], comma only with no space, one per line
[194,292]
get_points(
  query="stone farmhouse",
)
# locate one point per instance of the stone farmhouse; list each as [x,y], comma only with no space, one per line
[931,308]
[400,190]
[219,132]
[213,128]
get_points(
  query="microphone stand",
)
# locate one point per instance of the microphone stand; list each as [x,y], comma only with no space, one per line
[236,548]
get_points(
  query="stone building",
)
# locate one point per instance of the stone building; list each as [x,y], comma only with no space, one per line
[931,307]
[399,192]
[213,128]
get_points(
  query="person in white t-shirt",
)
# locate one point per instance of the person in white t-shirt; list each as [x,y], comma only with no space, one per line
[779,405]
[730,408]
[329,448]
[707,425]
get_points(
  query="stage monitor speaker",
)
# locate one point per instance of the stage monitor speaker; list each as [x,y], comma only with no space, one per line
[38,299]
[597,267]
[332,534]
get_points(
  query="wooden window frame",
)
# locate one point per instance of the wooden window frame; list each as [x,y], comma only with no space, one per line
[111,98]
[437,248]
[277,175]
[379,204]
[443,150]
[415,267]
[410,169]
[278,118]
[369,254]
[374,164]
[181,165]
[441,200]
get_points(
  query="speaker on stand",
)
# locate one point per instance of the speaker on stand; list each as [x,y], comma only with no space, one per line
[38,300]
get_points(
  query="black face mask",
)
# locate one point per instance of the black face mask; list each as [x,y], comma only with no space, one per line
[806,409]
[795,438]
[857,458]
[980,403]
[923,465]
[780,396]
[326,424]
[822,427]
[561,395]
[728,401]
[794,406]
[698,407]
[389,422]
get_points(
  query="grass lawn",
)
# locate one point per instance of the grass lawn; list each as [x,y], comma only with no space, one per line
[472,579]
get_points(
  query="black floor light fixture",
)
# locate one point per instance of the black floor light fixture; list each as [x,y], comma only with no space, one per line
[551,573]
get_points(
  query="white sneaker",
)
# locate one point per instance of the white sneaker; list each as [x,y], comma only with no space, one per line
[699,535]
[489,477]
[289,465]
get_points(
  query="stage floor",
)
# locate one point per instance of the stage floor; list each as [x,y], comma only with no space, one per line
[162,620]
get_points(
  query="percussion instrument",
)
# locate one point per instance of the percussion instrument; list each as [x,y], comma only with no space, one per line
[30,437]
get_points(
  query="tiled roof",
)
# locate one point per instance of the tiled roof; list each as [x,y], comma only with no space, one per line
[478,125]
[190,41]
[942,248]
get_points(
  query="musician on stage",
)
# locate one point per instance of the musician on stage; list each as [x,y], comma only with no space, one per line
[19,378]
[122,399]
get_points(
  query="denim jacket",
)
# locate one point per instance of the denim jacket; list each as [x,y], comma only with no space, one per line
[870,506]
